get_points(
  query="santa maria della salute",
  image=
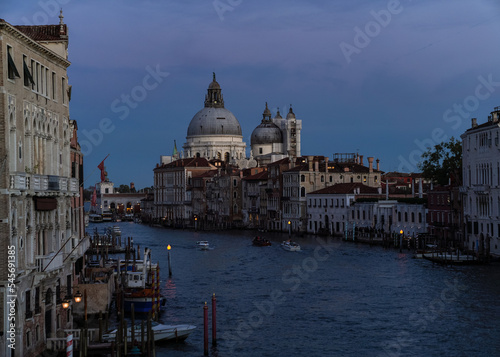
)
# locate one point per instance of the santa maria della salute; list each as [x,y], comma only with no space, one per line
[214,133]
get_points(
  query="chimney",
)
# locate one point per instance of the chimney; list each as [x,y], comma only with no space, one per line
[495,115]
[378,165]
[370,164]
[310,162]
[132,186]
[316,165]
[361,160]
[386,190]
[326,164]
[420,188]
[474,122]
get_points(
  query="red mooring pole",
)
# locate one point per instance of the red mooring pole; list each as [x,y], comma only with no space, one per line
[205,329]
[214,328]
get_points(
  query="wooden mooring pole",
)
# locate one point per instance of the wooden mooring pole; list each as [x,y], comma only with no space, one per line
[205,329]
[214,319]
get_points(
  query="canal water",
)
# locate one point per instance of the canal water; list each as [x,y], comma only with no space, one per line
[333,298]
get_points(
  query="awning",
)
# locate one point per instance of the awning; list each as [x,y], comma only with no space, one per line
[45,203]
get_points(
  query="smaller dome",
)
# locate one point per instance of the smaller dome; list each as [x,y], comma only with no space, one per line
[290,114]
[278,115]
[266,133]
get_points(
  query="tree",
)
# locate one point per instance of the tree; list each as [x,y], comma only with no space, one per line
[443,162]
[124,189]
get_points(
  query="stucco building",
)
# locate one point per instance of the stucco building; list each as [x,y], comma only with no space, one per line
[41,213]
[481,185]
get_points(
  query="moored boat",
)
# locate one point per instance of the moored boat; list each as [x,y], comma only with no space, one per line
[160,332]
[95,218]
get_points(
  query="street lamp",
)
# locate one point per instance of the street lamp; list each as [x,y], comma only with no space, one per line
[78,297]
[289,229]
[169,266]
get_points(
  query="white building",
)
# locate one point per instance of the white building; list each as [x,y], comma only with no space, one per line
[336,208]
[481,184]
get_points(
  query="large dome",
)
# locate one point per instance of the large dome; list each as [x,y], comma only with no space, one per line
[266,133]
[214,121]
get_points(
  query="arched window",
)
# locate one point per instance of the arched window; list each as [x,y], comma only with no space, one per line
[322,178]
[226,157]
[302,192]
[302,178]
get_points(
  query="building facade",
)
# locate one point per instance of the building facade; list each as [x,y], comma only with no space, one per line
[41,214]
[481,185]
[173,187]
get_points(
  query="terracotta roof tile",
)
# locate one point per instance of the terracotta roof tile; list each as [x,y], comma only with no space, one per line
[44,32]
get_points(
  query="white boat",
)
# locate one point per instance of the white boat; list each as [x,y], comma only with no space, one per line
[202,244]
[95,218]
[290,246]
[161,332]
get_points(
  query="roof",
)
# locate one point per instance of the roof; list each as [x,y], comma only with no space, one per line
[263,175]
[346,188]
[189,162]
[45,32]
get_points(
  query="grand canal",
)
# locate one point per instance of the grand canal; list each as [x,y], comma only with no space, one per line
[333,298]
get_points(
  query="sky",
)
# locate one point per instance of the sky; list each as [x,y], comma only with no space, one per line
[385,79]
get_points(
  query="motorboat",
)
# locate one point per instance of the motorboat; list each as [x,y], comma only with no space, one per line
[95,218]
[161,332]
[202,244]
[290,246]
[261,242]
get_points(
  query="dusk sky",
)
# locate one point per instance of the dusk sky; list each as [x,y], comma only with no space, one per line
[382,78]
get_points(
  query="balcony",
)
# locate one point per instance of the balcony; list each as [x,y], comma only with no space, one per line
[41,183]
[19,182]
[481,189]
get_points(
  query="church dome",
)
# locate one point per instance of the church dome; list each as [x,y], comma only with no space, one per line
[214,121]
[267,132]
